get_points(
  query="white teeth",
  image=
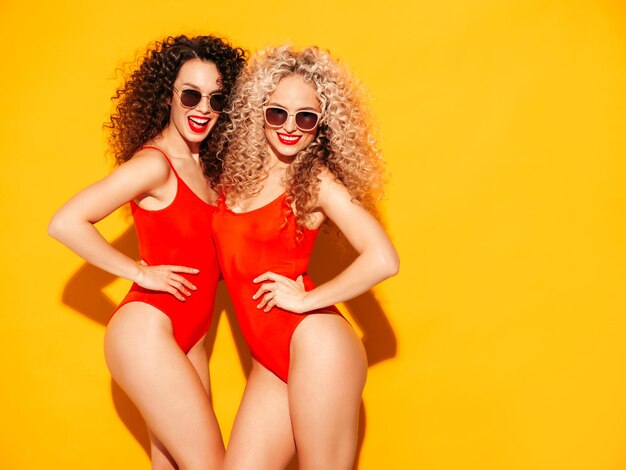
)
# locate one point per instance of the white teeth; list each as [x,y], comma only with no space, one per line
[290,138]
[200,122]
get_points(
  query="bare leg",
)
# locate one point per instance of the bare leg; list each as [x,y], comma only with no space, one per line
[327,373]
[161,459]
[200,361]
[161,380]
[262,438]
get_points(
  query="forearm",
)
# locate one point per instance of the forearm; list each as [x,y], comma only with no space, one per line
[367,270]
[84,239]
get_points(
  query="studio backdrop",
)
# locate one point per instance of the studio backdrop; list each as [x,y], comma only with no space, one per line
[501,345]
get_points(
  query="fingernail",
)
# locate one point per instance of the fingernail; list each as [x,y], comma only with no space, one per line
[258,306]
[196,270]
[254,280]
[254,296]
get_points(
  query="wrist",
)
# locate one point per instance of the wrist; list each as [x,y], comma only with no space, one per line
[137,275]
[308,301]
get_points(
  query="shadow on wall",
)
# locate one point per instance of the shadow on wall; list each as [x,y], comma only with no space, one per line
[84,293]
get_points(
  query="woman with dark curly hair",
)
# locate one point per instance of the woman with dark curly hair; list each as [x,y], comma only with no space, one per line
[167,115]
[297,152]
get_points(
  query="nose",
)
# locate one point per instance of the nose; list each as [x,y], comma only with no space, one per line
[203,105]
[290,124]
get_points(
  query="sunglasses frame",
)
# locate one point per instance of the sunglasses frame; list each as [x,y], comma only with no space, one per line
[318,114]
[208,97]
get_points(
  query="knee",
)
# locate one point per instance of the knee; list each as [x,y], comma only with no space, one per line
[339,457]
[204,462]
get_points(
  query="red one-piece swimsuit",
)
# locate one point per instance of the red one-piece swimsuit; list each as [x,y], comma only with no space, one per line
[249,244]
[179,234]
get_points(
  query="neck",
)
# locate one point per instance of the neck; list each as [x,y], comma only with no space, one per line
[277,163]
[171,139]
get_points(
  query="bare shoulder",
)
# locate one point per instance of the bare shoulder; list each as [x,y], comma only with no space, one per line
[331,189]
[151,160]
[148,166]
[326,177]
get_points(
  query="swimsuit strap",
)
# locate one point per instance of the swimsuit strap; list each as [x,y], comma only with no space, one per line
[181,182]
[221,200]
[165,155]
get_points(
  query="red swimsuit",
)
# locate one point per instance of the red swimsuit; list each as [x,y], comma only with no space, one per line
[179,234]
[249,244]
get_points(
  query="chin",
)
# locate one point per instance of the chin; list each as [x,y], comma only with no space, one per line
[289,151]
[195,138]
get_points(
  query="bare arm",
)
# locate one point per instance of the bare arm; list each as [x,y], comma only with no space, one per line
[73,224]
[377,258]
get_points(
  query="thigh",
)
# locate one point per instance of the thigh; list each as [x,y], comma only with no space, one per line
[145,360]
[160,457]
[261,438]
[198,357]
[327,373]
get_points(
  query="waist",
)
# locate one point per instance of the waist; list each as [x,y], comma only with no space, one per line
[205,261]
[291,269]
[174,249]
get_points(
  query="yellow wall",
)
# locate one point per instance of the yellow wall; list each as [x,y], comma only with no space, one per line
[503,126]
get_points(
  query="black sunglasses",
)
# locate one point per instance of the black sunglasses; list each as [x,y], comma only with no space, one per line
[275,116]
[190,98]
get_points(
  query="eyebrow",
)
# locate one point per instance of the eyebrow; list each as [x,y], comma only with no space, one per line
[306,108]
[196,87]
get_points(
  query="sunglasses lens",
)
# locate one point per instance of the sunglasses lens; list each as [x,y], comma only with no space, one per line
[190,98]
[217,102]
[275,116]
[306,121]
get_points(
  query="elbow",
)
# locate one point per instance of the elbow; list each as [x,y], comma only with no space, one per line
[389,264]
[393,264]
[57,227]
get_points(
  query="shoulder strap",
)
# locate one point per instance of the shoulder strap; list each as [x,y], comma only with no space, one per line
[164,154]
[221,200]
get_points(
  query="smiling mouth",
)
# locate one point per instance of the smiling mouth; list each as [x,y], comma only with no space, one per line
[198,124]
[288,139]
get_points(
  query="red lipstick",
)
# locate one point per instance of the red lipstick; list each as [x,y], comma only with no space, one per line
[288,139]
[198,124]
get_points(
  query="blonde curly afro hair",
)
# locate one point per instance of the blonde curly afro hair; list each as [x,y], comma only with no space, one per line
[344,144]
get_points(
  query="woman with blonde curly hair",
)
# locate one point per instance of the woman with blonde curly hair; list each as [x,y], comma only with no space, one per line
[297,152]
[163,136]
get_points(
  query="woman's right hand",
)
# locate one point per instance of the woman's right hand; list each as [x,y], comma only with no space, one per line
[164,278]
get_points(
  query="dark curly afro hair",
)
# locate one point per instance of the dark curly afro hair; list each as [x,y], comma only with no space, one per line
[141,103]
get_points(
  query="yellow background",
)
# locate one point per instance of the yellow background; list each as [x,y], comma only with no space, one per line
[503,124]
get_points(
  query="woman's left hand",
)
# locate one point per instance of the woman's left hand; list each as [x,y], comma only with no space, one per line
[281,292]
